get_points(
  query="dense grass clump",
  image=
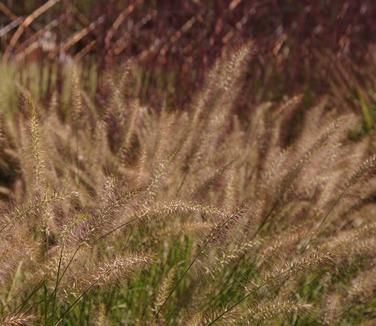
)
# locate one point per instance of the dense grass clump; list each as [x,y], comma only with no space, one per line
[115,214]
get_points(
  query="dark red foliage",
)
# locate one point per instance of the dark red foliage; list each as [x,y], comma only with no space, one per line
[186,36]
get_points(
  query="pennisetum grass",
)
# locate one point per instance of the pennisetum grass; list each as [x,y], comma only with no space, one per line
[121,214]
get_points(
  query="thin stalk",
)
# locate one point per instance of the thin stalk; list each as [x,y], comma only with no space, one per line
[56,285]
[76,301]
[23,303]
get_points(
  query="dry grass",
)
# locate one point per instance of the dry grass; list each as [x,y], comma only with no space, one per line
[122,215]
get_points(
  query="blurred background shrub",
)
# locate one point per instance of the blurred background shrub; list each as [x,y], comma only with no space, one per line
[174,42]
